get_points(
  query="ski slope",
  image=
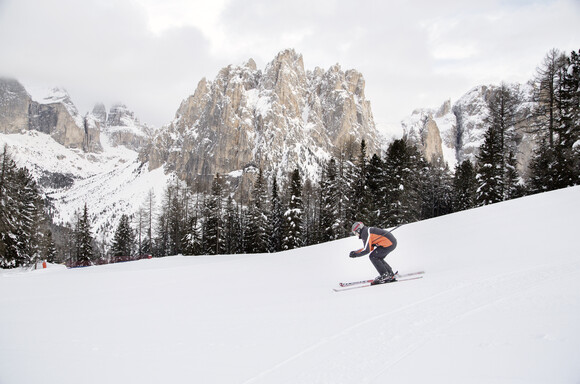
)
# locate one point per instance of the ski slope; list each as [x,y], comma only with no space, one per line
[499,303]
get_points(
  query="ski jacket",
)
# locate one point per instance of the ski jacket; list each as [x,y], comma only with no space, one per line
[374,237]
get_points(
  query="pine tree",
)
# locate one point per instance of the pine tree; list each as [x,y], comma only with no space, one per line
[84,240]
[347,206]
[541,168]
[256,233]
[232,228]
[311,213]
[149,212]
[161,247]
[50,253]
[496,177]
[175,222]
[376,204]
[212,237]
[329,203]
[567,126]
[489,169]
[360,193]
[513,185]
[22,218]
[294,214]
[556,161]
[123,241]
[546,84]
[464,186]
[402,182]
[436,189]
[276,219]
[9,255]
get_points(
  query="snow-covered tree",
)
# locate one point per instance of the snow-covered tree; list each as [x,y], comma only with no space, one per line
[256,234]
[123,247]
[23,222]
[464,186]
[276,219]
[213,239]
[329,199]
[402,165]
[499,142]
[436,189]
[84,253]
[376,192]
[293,217]
[232,228]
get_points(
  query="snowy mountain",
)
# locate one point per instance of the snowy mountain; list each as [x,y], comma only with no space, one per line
[499,302]
[111,182]
[122,127]
[50,111]
[279,119]
[455,131]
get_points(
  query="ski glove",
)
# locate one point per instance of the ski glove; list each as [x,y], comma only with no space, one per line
[352,254]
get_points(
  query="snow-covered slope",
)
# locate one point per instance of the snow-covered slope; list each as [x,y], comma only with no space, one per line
[499,303]
[111,182]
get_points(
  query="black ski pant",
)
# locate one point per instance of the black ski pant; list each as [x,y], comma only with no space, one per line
[377,257]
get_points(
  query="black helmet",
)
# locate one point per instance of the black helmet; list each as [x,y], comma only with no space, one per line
[357,227]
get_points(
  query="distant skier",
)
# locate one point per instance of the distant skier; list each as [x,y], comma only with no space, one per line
[379,243]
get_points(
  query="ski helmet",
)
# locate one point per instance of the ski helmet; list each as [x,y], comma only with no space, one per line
[357,227]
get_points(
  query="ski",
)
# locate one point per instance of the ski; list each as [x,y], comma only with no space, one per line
[368,283]
[397,275]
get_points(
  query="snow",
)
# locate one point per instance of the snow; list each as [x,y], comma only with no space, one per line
[116,172]
[55,95]
[499,302]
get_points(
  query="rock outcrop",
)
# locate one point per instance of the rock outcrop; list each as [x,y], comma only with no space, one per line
[280,119]
[54,114]
[462,125]
[122,127]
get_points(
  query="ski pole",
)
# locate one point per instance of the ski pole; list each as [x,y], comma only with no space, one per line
[396,227]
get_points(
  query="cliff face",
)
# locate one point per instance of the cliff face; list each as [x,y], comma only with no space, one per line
[455,131]
[279,119]
[54,115]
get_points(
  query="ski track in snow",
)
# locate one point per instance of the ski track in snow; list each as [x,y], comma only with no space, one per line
[432,316]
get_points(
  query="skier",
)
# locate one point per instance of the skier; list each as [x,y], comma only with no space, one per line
[379,243]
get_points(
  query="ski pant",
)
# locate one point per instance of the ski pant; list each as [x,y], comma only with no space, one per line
[377,257]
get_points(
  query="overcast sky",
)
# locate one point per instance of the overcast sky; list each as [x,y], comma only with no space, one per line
[150,54]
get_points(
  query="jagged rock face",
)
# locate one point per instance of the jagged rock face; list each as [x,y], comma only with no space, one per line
[122,127]
[462,126]
[55,115]
[470,113]
[279,119]
[14,105]
[100,113]
[422,130]
[433,150]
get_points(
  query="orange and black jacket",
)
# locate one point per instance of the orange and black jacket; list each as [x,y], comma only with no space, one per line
[374,237]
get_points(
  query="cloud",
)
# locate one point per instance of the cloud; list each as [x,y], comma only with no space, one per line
[150,54]
[103,52]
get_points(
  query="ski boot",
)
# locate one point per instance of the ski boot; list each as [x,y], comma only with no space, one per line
[384,278]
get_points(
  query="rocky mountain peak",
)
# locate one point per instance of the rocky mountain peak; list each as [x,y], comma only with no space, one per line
[456,130]
[279,119]
[124,128]
[100,113]
[50,111]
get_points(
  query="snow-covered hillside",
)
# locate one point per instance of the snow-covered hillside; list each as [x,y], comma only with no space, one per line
[111,183]
[499,303]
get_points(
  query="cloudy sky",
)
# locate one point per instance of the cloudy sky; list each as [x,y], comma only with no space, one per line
[150,54]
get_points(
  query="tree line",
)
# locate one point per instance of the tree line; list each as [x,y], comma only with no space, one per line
[385,190]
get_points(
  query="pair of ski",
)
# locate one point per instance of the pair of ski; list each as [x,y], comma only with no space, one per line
[369,283]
